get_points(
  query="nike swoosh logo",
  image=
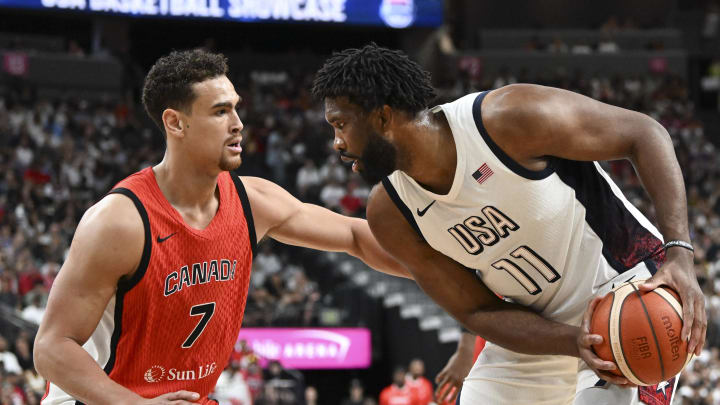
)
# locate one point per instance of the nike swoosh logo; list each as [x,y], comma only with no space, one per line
[421,213]
[161,240]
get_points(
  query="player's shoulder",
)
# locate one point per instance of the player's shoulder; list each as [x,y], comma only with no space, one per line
[379,203]
[383,215]
[258,185]
[115,216]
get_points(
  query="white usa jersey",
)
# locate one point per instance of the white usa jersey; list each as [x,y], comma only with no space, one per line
[545,239]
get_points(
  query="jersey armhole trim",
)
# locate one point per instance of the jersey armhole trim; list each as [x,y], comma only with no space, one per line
[401,206]
[125,285]
[245,201]
[128,284]
[509,162]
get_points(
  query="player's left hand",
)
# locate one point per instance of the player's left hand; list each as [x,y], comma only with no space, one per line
[585,341]
[678,273]
[450,379]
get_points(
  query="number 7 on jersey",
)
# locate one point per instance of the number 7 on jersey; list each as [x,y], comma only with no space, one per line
[206,310]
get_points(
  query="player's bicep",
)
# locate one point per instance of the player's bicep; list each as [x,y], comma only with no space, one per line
[451,285]
[107,246]
[531,121]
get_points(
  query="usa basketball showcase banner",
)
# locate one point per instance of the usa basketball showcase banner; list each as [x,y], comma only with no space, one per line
[390,13]
[296,348]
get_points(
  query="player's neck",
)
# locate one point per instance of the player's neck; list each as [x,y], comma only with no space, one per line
[429,157]
[184,186]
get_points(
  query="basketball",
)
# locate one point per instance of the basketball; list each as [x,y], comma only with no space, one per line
[641,333]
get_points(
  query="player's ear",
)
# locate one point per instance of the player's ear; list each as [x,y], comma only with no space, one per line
[172,120]
[386,116]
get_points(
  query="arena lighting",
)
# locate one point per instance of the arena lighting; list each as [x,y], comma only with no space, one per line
[391,13]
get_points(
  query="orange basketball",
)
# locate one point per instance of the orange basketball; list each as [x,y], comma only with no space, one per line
[641,333]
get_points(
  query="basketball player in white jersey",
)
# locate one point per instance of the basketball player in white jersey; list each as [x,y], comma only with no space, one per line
[499,192]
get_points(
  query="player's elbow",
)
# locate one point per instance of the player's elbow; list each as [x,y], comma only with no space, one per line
[40,354]
[653,135]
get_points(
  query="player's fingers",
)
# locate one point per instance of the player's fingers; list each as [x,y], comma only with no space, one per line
[600,364]
[440,377]
[688,305]
[183,402]
[452,395]
[653,282]
[697,337]
[442,391]
[181,395]
[612,378]
[587,340]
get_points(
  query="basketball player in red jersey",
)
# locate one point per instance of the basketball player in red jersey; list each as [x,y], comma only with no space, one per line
[148,304]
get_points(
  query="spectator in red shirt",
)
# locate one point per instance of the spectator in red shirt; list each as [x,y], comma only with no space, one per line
[398,393]
[417,382]
[254,378]
[351,204]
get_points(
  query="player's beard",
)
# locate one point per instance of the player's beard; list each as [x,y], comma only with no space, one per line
[229,164]
[379,159]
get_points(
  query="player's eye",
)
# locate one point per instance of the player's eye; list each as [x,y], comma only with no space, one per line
[220,112]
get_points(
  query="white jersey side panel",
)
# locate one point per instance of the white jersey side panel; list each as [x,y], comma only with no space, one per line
[545,239]
[98,347]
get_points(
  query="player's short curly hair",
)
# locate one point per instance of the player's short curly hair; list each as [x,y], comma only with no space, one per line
[170,80]
[373,76]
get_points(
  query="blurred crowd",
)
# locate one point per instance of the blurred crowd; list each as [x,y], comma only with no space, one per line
[58,157]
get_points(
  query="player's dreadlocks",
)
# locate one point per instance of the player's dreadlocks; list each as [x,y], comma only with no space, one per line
[373,76]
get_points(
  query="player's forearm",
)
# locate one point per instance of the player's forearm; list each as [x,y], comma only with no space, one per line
[657,166]
[367,249]
[466,344]
[67,365]
[519,329]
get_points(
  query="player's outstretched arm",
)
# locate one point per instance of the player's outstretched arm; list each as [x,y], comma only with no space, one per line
[281,216]
[530,122]
[464,296]
[107,246]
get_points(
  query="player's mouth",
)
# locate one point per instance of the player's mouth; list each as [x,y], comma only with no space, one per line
[347,158]
[235,146]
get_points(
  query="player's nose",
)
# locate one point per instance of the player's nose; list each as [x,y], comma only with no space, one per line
[236,125]
[339,143]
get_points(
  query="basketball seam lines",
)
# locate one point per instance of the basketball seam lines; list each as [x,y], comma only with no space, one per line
[669,303]
[612,352]
[652,329]
[622,347]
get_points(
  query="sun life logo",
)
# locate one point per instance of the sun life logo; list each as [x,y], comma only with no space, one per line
[154,374]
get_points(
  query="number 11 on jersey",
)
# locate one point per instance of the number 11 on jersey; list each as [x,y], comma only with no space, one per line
[535,261]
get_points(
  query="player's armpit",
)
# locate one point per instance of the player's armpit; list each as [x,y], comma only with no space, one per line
[281,216]
[461,293]
[106,247]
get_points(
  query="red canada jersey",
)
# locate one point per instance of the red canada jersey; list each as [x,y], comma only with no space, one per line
[394,395]
[422,389]
[173,324]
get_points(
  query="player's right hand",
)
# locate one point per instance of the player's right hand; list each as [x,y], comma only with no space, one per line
[450,380]
[173,398]
[585,340]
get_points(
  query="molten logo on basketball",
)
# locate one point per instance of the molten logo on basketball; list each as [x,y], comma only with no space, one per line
[673,337]
[154,374]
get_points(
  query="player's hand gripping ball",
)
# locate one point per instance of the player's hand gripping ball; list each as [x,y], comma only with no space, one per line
[641,333]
